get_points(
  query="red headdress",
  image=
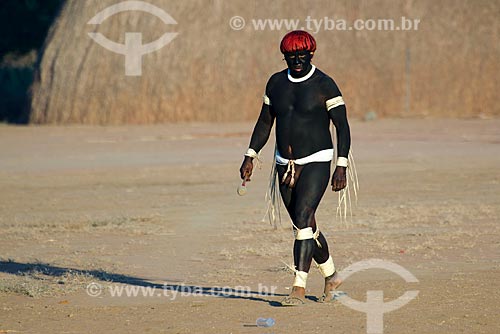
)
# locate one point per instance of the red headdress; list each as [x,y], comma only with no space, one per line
[298,40]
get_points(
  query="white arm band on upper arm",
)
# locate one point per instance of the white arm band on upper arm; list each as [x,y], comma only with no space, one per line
[266,100]
[334,102]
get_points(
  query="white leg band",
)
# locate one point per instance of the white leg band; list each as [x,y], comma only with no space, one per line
[300,279]
[304,234]
[328,268]
[307,233]
[316,236]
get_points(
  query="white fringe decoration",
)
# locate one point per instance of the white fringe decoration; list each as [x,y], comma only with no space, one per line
[272,197]
[345,201]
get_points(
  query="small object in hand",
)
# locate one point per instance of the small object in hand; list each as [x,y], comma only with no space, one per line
[242,189]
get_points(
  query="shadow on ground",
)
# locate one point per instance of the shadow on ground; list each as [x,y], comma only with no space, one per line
[23,269]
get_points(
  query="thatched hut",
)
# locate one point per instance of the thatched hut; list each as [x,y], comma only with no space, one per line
[211,72]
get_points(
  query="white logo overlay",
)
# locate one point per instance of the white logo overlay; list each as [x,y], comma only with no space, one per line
[374,307]
[133,49]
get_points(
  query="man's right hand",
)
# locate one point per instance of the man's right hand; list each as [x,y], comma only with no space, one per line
[246,169]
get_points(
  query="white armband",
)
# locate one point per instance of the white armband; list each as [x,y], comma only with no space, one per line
[267,100]
[342,162]
[334,102]
[252,154]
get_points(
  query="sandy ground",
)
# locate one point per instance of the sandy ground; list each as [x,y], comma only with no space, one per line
[148,207]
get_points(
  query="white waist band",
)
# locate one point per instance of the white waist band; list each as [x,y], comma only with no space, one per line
[320,156]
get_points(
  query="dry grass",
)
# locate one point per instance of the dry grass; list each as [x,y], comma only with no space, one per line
[39,281]
[212,73]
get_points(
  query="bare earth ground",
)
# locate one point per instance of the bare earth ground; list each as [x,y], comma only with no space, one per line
[148,206]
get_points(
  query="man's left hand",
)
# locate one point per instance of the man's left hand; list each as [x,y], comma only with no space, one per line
[339,179]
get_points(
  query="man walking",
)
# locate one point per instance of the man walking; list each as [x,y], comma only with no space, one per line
[303,101]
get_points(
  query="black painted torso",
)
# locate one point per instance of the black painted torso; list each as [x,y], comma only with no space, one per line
[302,120]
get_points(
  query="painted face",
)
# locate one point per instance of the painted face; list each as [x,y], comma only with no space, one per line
[299,62]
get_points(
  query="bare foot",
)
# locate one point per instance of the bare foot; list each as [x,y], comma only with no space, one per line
[331,283]
[296,297]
